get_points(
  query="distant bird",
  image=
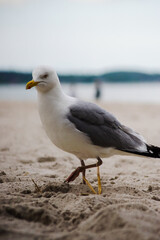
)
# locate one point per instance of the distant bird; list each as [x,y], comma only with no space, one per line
[82,128]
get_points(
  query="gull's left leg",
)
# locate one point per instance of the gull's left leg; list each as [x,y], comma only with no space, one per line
[98,175]
[76,173]
[84,171]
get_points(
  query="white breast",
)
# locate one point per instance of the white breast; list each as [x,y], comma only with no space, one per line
[60,130]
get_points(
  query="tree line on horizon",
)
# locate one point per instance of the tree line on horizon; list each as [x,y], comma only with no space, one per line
[11,77]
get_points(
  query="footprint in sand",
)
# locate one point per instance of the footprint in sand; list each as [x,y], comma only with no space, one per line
[46,159]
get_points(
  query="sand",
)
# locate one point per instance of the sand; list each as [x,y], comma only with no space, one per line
[128,208]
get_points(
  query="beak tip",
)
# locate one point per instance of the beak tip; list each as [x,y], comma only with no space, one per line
[31,84]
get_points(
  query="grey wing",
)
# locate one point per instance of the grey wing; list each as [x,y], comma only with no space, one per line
[103,128]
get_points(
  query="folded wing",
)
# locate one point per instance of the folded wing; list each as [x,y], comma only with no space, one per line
[103,128]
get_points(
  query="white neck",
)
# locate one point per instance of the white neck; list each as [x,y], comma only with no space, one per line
[56,93]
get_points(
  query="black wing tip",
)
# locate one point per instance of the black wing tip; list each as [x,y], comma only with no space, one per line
[152,151]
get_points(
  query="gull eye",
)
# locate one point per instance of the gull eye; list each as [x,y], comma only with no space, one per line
[44,76]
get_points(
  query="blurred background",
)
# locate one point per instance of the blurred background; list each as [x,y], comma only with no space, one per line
[101,49]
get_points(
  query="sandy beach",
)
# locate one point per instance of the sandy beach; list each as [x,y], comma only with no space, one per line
[35,203]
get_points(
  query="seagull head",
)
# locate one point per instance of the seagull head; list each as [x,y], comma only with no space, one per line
[44,78]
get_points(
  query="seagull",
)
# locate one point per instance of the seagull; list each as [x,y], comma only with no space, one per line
[83,128]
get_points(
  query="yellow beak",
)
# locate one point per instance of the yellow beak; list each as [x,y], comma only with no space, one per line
[31,84]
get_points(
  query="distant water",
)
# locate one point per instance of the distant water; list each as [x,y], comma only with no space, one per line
[121,92]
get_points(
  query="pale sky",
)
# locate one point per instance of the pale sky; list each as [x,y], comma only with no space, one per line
[80,36]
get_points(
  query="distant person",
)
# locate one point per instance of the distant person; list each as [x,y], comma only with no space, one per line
[98,84]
